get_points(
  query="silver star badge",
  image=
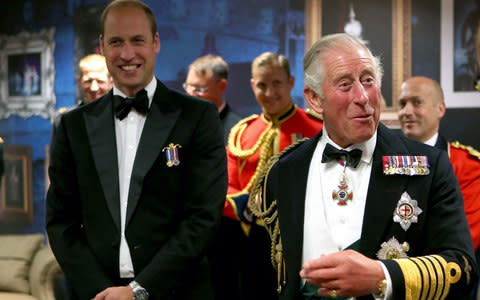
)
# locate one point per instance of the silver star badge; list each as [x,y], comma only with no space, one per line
[407,211]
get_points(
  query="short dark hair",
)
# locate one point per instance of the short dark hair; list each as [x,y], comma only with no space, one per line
[129,3]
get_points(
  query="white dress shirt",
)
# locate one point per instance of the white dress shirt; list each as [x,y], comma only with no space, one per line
[128,132]
[329,227]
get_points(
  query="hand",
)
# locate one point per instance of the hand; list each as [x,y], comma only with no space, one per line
[115,293]
[348,272]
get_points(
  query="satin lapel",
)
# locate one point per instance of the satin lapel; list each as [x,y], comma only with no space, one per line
[292,200]
[161,118]
[384,191]
[101,134]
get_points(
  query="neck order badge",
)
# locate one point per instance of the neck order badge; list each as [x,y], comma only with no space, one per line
[343,193]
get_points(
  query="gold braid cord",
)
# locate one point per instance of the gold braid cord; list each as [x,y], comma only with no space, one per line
[269,215]
[428,277]
[472,151]
[264,142]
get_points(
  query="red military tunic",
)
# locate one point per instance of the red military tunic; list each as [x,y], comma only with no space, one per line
[254,140]
[466,165]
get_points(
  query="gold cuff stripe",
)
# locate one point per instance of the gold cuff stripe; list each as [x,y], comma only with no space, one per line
[439,271]
[424,276]
[428,277]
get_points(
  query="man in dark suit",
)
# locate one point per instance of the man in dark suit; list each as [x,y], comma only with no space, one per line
[207,78]
[130,210]
[359,211]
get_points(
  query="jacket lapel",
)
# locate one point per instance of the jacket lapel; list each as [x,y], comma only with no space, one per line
[160,121]
[441,143]
[100,127]
[384,191]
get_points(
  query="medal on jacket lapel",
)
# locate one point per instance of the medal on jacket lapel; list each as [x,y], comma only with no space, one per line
[171,154]
[342,193]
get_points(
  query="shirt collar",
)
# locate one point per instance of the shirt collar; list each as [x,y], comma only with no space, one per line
[150,88]
[367,147]
[432,141]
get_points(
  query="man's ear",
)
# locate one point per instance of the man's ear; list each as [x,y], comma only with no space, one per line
[291,82]
[252,84]
[222,84]
[156,43]
[313,100]
[100,40]
[441,110]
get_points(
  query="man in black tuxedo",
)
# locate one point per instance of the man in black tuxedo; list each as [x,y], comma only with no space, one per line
[137,184]
[358,210]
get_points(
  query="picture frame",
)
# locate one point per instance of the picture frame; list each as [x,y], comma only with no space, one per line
[398,12]
[27,74]
[16,192]
[454,77]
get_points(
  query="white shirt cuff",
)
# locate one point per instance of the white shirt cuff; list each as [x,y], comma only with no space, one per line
[388,291]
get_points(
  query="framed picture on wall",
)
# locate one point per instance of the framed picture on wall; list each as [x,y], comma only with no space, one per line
[387,34]
[16,195]
[27,74]
[460,52]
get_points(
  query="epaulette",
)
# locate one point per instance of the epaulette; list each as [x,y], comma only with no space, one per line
[62,110]
[314,114]
[472,151]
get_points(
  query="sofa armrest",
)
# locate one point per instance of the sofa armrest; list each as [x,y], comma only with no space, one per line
[43,272]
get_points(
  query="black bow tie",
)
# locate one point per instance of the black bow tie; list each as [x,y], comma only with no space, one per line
[124,105]
[331,153]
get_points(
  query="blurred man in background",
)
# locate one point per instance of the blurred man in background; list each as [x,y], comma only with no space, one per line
[422,106]
[94,79]
[207,78]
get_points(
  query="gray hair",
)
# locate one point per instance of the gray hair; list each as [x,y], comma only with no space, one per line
[214,63]
[313,67]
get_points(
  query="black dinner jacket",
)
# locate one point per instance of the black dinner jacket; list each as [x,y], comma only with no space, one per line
[172,212]
[442,230]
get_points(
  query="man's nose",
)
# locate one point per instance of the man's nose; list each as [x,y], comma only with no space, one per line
[127,52]
[94,86]
[360,93]
[269,91]
[407,109]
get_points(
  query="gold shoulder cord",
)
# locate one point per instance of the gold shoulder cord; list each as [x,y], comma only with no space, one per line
[472,151]
[314,114]
[264,142]
[269,215]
